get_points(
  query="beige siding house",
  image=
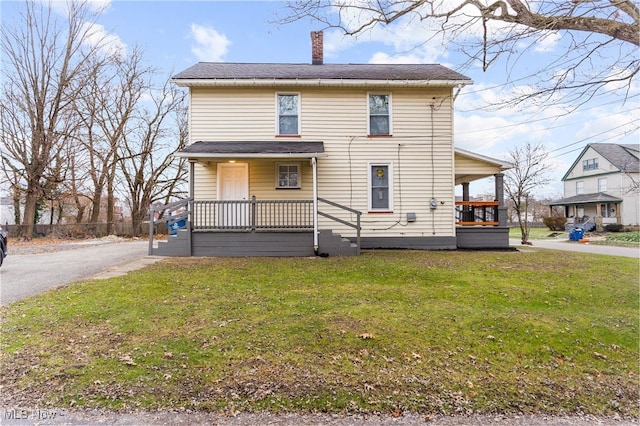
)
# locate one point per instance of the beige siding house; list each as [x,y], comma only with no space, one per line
[303,159]
[602,187]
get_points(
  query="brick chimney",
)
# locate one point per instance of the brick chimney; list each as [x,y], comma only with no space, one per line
[316,48]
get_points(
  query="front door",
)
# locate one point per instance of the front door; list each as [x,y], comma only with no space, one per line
[233,191]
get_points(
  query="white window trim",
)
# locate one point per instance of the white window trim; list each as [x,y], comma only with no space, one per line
[277,118]
[600,185]
[371,164]
[579,187]
[299,165]
[390,114]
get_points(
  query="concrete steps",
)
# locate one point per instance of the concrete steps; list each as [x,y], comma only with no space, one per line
[335,245]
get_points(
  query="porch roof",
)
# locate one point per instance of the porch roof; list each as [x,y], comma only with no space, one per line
[252,149]
[599,197]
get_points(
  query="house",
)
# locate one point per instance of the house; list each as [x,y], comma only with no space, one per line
[602,187]
[304,159]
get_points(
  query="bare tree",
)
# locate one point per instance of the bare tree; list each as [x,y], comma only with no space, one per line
[528,173]
[42,58]
[107,105]
[147,164]
[600,37]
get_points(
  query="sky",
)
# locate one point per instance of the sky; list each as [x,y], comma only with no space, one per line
[177,34]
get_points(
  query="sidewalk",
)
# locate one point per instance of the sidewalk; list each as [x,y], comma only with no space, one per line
[567,245]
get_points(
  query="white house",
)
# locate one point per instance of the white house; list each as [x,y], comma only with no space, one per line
[297,159]
[602,186]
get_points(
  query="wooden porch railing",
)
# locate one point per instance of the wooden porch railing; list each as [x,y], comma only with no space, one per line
[355,226]
[171,214]
[246,215]
[252,215]
[477,213]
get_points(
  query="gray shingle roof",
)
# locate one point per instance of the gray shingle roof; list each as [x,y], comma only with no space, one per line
[385,72]
[624,157]
[599,197]
[252,149]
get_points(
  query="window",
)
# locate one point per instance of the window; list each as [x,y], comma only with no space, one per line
[591,164]
[288,176]
[288,114]
[380,187]
[579,187]
[602,185]
[379,114]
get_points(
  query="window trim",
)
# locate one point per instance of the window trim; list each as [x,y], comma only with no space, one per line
[590,164]
[298,165]
[389,165]
[579,187]
[277,123]
[600,185]
[389,114]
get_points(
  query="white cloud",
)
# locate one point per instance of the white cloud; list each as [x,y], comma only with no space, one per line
[547,42]
[209,45]
[62,6]
[97,36]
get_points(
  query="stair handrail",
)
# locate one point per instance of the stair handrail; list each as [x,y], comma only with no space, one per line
[171,207]
[358,213]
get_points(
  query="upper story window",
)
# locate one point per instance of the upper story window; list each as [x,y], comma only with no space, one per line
[288,114]
[379,114]
[591,164]
[380,187]
[579,187]
[288,175]
[602,185]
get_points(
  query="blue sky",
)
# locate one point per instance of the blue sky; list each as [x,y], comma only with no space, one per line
[176,34]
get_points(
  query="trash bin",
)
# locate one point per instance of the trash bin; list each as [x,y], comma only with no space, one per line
[173,231]
[576,234]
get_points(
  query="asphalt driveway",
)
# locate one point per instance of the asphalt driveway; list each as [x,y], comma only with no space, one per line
[25,274]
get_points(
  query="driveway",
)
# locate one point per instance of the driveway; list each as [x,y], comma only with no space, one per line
[567,245]
[25,273]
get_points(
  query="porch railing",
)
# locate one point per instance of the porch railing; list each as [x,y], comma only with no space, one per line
[171,214]
[476,213]
[252,215]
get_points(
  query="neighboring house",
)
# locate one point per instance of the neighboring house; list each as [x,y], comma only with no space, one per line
[601,187]
[297,159]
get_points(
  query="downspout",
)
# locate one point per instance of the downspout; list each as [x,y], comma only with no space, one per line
[315,205]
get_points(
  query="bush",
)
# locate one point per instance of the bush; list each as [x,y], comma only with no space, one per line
[613,227]
[555,223]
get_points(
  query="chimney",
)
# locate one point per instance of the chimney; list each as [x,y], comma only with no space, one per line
[316,48]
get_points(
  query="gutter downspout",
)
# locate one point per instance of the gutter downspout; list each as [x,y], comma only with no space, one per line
[315,204]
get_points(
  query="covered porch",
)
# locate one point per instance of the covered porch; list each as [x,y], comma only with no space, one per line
[263,202]
[480,224]
[589,211]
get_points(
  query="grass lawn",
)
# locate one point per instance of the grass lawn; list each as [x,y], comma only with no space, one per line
[388,331]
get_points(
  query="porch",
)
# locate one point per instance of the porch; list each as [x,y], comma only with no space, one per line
[589,211]
[286,228]
[252,228]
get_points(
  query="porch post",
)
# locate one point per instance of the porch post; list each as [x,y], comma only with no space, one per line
[466,210]
[502,208]
[314,169]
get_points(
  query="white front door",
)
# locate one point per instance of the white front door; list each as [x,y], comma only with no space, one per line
[233,185]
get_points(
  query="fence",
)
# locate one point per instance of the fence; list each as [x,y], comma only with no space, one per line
[80,230]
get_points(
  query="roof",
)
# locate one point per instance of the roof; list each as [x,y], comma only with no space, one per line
[504,165]
[220,73]
[626,158]
[599,197]
[251,149]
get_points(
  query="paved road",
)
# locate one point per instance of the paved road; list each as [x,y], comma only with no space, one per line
[567,245]
[24,275]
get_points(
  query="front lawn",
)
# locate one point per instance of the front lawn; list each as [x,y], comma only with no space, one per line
[388,331]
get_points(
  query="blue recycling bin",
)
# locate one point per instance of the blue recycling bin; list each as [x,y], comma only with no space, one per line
[576,234]
[173,231]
